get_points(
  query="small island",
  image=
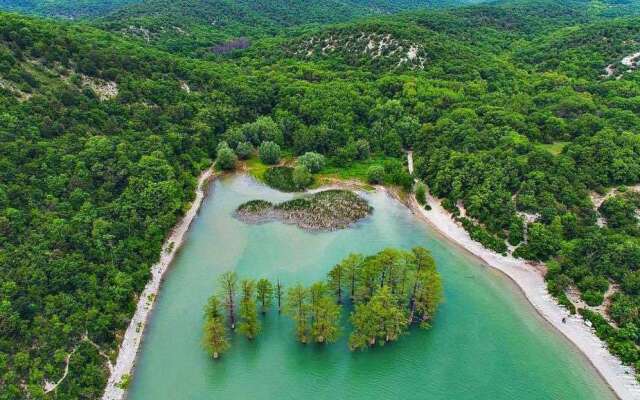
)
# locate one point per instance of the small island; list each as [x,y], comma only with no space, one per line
[322,211]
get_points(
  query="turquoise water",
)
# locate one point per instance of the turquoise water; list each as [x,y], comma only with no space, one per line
[486,343]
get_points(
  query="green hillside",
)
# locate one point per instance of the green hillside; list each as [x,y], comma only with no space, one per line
[102,135]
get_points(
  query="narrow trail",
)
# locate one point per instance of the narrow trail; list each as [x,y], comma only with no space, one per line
[50,386]
[530,279]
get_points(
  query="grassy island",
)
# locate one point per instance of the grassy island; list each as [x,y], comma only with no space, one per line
[323,211]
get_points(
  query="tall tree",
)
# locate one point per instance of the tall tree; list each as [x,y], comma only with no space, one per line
[249,324]
[215,338]
[264,292]
[297,308]
[229,284]
[380,320]
[279,292]
[336,280]
[326,320]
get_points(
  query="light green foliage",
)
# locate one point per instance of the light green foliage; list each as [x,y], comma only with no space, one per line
[378,321]
[297,307]
[313,161]
[249,324]
[228,283]
[264,294]
[269,152]
[215,338]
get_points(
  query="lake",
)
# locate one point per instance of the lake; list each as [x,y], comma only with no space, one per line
[487,342]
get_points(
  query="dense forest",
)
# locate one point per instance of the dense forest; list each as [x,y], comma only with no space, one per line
[520,115]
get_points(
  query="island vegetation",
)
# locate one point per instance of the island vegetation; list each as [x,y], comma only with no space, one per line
[386,294]
[322,211]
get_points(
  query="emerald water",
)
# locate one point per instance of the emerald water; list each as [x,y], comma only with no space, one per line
[486,343]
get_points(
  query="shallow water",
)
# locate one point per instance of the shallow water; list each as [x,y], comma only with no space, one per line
[487,342]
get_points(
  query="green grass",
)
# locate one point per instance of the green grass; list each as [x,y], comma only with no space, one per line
[256,168]
[554,148]
[356,170]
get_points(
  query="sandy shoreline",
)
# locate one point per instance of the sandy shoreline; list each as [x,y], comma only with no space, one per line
[133,336]
[530,280]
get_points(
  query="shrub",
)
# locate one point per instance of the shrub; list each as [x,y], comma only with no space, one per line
[269,153]
[301,177]
[226,159]
[280,178]
[363,149]
[375,174]
[244,150]
[313,161]
[593,298]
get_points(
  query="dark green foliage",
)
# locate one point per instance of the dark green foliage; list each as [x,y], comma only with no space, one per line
[301,177]
[375,174]
[508,114]
[226,159]
[244,150]
[421,194]
[480,234]
[281,178]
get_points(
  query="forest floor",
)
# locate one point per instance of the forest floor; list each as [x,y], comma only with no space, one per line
[127,354]
[529,278]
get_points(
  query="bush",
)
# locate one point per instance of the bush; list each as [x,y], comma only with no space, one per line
[301,177]
[375,174]
[281,178]
[244,150]
[593,298]
[269,153]
[363,149]
[313,161]
[479,234]
[226,159]
[421,194]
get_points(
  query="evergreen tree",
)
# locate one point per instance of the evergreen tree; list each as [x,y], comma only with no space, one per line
[326,320]
[380,320]
[229,284]
[264,290]
[297,308]
[249,324]
[279,292]
[215,338]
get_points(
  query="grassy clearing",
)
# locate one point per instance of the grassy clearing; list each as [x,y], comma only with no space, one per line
[256,168]
[356,170]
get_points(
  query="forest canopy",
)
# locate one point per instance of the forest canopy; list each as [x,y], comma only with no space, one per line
[519,114]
